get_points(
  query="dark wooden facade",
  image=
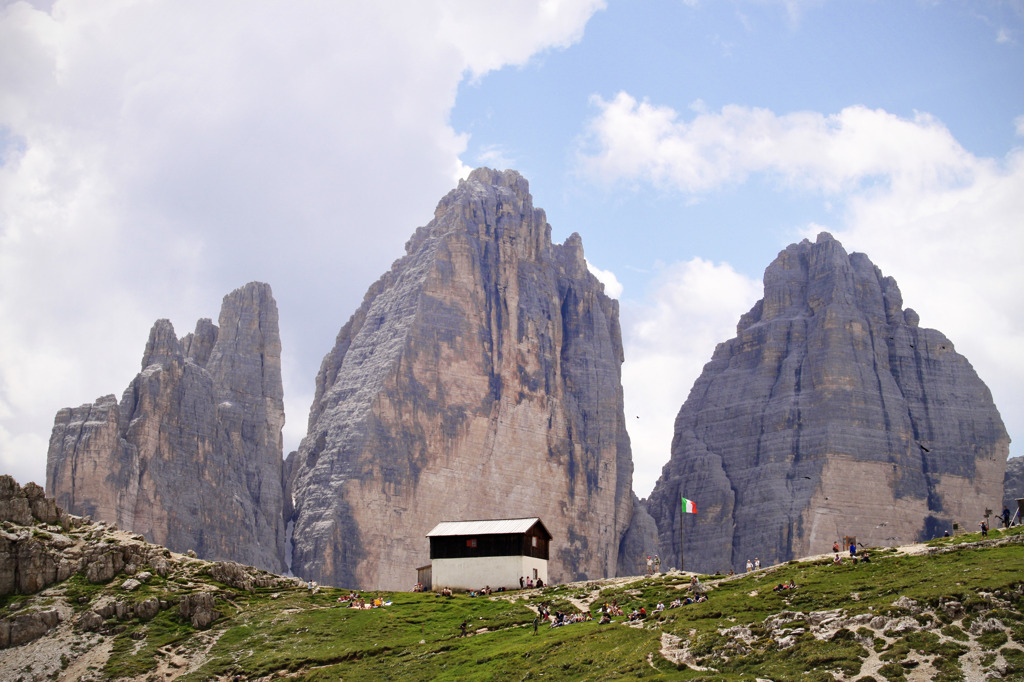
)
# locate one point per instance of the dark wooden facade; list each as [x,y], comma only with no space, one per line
[532,543]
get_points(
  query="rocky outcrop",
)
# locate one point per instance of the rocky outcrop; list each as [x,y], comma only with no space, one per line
[27,564]
[831,413]
[480,378]
[36,559]
[198,610]
[27,627]
[191,456]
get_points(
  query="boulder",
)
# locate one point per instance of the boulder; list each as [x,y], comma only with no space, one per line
[147,608]
[27,627]
[90,621]
[198,609]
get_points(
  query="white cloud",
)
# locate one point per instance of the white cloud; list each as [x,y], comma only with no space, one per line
[611,283]
[495,156]
[942,221]
[668,339]
[18,455]
[634,141]
[155,155]
[1018,125]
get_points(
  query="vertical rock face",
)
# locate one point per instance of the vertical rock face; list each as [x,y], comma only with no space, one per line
[1013,485]
[831,413]
[191,457]
[479,379]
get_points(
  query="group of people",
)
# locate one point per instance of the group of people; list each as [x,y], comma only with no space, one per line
[528,584]
[653,564]
[854,557]
[637,614]
[1004,517]
[561,619]
[754,565]
[791,585]
[355,601]
[608,610]
[486,590]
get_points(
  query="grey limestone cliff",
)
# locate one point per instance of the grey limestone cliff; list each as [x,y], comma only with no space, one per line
[191,455]
[831,413]
[1013,485]
[479,379]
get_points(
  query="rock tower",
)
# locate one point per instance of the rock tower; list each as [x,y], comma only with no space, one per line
[830,414]
[191,456]
[479,379]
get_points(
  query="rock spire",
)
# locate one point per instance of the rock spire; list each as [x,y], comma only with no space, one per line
[479,379]
[191,456]
[830,414]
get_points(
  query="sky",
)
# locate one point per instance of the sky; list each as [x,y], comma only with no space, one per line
[155,155]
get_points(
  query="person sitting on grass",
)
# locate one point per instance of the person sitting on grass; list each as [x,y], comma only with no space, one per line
[838,560]
[605,619]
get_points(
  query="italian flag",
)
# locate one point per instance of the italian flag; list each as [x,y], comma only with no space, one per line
[689,507]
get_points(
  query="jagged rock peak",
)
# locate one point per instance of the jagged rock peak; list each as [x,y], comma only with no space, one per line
[831,413]
[480,378]
[162,345]
[805,278]
[198,427]
[479,201]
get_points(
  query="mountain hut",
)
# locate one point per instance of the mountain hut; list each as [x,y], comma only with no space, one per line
[469,555]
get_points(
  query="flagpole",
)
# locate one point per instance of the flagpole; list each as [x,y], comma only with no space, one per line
[685,507]
[681,515]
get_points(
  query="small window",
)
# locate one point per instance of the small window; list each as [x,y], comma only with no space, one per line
[535,574]
[534,540]
[471,542]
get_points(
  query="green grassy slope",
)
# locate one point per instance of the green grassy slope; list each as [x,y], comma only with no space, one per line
[955,611]
[417,637]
